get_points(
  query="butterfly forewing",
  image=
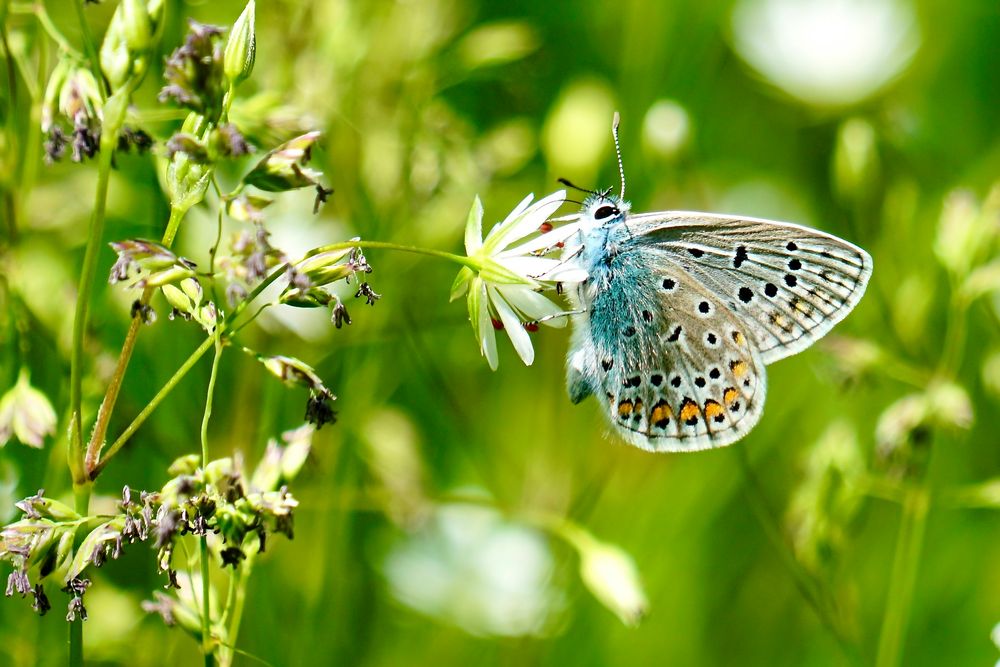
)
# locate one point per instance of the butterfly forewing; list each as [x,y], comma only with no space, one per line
[789,284]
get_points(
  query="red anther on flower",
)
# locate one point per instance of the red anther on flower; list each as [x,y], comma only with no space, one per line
[545,227]
[531,327]
[497,324]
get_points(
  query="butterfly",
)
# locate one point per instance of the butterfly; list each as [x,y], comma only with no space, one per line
[682,311]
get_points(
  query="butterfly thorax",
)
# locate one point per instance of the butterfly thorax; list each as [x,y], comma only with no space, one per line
[603,237]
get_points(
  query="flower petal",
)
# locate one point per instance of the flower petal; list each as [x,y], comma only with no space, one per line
[483,327]
[507,272]
[518,335]
[533,305]
[474,228]
[532,218]
[498,231]
[529,266]
[461,284]
[566,272]
[544,241]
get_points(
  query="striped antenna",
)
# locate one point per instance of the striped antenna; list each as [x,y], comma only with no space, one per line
[618,151]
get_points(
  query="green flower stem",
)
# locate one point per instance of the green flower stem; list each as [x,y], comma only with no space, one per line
[954,340]
[904,576]
[111,395]
[176,215]
[382,245]
[206,636]
[114,116]
[38,9]
[76,643]
[233,614]
[90,47]
[207,647]
[94,239]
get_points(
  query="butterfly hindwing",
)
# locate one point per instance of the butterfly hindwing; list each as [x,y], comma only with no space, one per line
[674,367]
[788,283]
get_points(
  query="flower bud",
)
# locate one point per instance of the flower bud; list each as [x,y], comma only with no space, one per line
[855,160]
[26,414]
[247,208]
[241,47]
[144,264]
[611,576]
[218,470]
[184,465]
[40,507]
[174,612]
[116,61]
[284,168]
[292,371]
[906,426]
[314,297]
[967,230]
[137,26]
[50,102]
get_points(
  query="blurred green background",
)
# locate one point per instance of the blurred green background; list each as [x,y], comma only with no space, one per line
[876,121]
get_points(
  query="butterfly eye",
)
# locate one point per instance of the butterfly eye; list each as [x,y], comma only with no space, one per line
[605,212]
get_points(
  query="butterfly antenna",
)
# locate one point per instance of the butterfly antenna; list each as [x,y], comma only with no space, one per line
[568,184]
[618,150]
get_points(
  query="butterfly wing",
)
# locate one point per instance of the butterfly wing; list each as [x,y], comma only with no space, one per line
[671,362]
[788,283]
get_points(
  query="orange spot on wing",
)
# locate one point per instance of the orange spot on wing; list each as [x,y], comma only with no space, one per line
[689,410]
[738,338]
[713,410]
[638,406]
[739,368]
[661,414]
[730,394]
[625,409]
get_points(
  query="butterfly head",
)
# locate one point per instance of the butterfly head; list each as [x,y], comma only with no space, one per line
[602,209]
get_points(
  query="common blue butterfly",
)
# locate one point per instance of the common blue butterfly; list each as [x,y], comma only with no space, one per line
[682,310]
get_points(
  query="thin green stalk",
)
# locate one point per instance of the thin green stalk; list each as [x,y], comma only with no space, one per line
[206,638]
[82,507]
[89,270]
[954,341]
[46,22]
[233,614]
[176,215]
[90,47]
[76,643]
[111,396]
[383,245]
[905,564]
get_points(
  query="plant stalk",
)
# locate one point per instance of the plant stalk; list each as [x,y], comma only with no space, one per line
[207,646]
[905,564]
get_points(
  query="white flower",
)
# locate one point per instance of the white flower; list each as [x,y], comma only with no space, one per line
[827,52]
[25,413]
[503,283]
